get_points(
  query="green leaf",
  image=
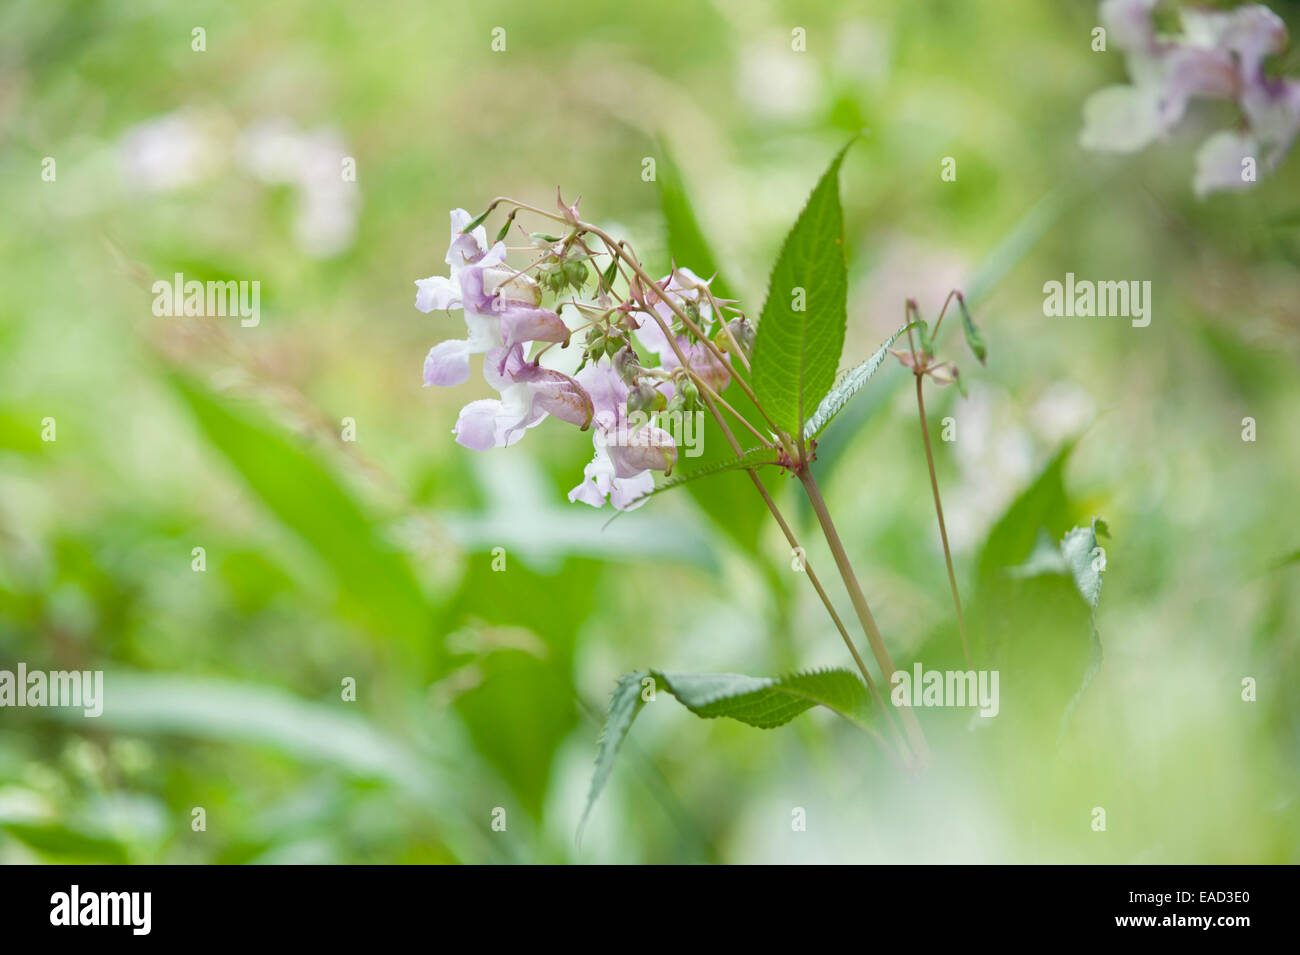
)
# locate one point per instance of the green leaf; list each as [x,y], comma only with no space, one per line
[797,349]
[973,337]
[748,461]
[376,581]
[65,843]
[1085,559]
[763,702]
[1080,557]
[849,386]
[729,500]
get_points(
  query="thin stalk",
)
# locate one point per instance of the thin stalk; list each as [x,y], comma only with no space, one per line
[771,506]
[912,728]
[704,385]
[830,609]
[943,531]
[910,724]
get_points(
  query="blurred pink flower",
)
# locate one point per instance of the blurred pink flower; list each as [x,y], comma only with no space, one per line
[625,455]
[1219,55]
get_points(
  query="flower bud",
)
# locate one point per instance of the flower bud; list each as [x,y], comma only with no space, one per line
[627,364]
[641,397]
[743,334]
[575,274]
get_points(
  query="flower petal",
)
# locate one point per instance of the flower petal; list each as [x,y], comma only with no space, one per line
[1219,163]
[476,428]
[447,363]
[627,494]
[436,292]
[1122,119]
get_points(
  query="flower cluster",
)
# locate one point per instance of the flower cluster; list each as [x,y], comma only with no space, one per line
[1219,55]
[610,385]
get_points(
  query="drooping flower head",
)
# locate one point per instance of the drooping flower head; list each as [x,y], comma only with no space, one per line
[665,325]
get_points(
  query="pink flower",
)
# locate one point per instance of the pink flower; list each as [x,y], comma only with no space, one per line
[625,455]
[1219,55]
[528,393]
[686,290]
[500,305]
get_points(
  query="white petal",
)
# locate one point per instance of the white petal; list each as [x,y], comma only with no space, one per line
[1121,119]
[1219,163]
[436,292]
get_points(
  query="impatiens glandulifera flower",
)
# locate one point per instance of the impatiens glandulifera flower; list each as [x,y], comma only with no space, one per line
[529,393]
[626,456]
[501,315]
[1219,55]
[464,249]
[612,393]
[688,292]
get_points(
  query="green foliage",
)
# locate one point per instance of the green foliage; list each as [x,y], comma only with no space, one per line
[801,331]
[748,461]
[378,582]
[728,499]
[973,337]
[762,702]
[686,241]
[1085,560]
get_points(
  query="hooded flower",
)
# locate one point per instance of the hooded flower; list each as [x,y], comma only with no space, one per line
[528,393]
[620,470]
[501,317]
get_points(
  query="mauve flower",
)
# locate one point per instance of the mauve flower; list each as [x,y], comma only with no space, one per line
[1219,55]
[528,393]
[685,289]
[1166,74]
[500,305]
[622,469]
[463,250]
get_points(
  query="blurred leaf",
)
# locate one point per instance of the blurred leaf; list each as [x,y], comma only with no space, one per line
[797,349]
[67,844]
[973,338]
[229,712]
[20,432]
[1022,617]
[686,242]
[849,385]
[306,497]
[523,516]
[1043,505]
[517,629]
[729,500]
[762,702]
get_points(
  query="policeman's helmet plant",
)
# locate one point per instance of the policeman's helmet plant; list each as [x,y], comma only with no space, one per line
[625,355]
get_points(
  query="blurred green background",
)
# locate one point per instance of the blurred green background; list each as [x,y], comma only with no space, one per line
[372,560]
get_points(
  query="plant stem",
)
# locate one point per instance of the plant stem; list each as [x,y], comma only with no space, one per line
[910,724]
[943,530]
[826,601]
[701,383]
[913,729]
